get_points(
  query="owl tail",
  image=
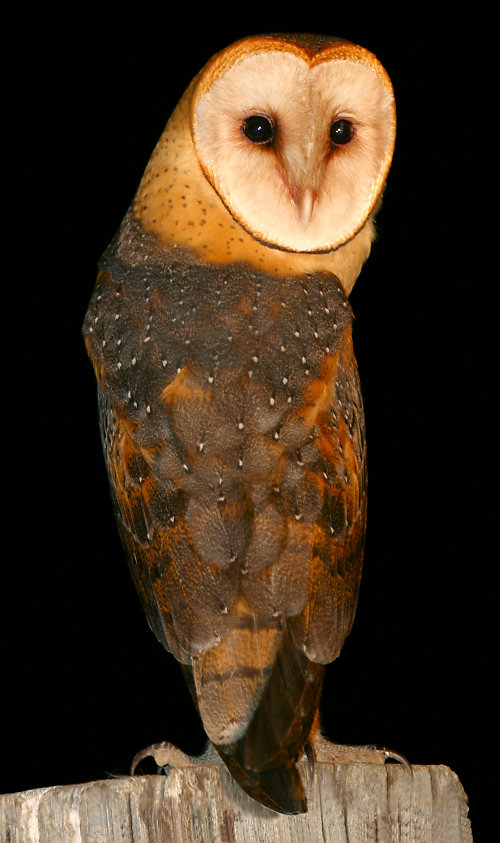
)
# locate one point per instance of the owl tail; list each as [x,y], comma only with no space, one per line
[279,788]
[258,696]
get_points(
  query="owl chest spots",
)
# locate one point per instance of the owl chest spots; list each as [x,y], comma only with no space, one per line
[228,380]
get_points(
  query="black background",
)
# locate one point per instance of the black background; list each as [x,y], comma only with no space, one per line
[85,684]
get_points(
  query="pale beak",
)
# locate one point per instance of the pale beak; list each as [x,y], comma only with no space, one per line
[304,200]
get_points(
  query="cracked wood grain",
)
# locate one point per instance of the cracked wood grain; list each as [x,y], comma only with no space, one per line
[348,803]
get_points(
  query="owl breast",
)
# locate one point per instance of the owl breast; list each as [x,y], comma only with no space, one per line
[233,430]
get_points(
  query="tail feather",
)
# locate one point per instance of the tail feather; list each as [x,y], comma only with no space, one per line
[280,788]
[275,725]
[263,759]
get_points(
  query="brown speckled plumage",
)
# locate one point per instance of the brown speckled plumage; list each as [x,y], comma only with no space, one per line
[233,430]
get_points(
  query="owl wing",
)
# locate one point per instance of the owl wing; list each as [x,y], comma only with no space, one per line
[237,473]
[339,533]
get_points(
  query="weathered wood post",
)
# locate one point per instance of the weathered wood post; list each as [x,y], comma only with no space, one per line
[348,803]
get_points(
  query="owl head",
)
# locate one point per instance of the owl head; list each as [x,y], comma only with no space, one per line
[296,137]
[276,156]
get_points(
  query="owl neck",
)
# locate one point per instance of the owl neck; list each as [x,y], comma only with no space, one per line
[177,204]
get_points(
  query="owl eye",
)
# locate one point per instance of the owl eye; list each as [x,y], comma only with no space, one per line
[258,129]
[341,132]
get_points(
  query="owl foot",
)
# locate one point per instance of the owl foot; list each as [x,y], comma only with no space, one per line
[323,750]
[166,754]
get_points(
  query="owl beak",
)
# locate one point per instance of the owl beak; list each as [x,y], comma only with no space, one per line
[304,200]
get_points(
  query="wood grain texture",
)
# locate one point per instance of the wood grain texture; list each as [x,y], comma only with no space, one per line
[348,803]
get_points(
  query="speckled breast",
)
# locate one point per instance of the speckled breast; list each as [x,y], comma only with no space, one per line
[243,395]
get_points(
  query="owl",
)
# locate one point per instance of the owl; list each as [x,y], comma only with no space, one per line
[230,406]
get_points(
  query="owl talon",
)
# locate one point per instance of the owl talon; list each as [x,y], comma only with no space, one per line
[390,755]
[165,754]
[324,750]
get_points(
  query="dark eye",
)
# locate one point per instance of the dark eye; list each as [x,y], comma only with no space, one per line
[341,132]
[258,129]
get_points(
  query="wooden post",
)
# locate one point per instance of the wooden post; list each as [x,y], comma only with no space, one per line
[348,803]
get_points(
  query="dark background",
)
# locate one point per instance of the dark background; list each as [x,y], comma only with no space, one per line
[84,682]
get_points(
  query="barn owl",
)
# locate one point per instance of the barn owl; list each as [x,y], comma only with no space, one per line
[230,406]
